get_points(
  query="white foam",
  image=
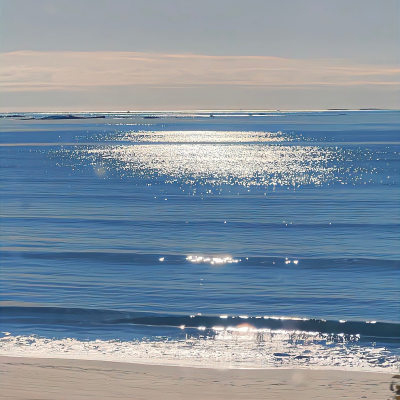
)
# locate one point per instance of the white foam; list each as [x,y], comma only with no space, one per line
[241,347]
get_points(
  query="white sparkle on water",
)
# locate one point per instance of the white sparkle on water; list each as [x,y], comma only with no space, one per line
[212,260]
[233,347]
[221,158]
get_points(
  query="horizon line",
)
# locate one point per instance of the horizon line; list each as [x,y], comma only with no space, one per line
[200,110]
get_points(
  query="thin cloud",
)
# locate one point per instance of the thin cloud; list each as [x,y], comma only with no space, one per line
[38,71]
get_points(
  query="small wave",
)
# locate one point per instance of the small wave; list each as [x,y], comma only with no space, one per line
[77,317]
[223,350]
[122,257]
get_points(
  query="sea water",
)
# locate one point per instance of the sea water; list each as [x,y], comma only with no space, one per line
[229,239]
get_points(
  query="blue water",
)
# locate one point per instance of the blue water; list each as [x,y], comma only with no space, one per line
[290,214]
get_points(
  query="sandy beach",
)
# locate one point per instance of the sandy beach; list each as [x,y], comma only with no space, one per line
[35,378]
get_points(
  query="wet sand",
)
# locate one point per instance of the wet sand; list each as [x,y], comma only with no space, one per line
[45,379]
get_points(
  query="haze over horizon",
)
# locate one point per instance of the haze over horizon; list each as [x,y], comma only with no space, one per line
[137,55]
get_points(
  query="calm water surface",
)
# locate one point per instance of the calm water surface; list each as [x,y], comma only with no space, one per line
[142,230]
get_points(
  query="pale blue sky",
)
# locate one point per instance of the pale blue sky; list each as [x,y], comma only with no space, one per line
[338,53]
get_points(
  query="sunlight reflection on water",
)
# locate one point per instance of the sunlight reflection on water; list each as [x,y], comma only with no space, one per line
[205,136]
[227,158]
[244,165]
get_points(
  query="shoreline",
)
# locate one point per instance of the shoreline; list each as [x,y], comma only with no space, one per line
[211,366]
[56,378]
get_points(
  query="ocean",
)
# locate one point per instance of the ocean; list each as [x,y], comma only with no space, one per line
[244,239]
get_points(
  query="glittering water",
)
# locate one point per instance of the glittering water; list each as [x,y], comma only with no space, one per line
[197,229]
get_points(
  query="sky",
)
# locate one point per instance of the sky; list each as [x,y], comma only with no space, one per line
[58,55]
